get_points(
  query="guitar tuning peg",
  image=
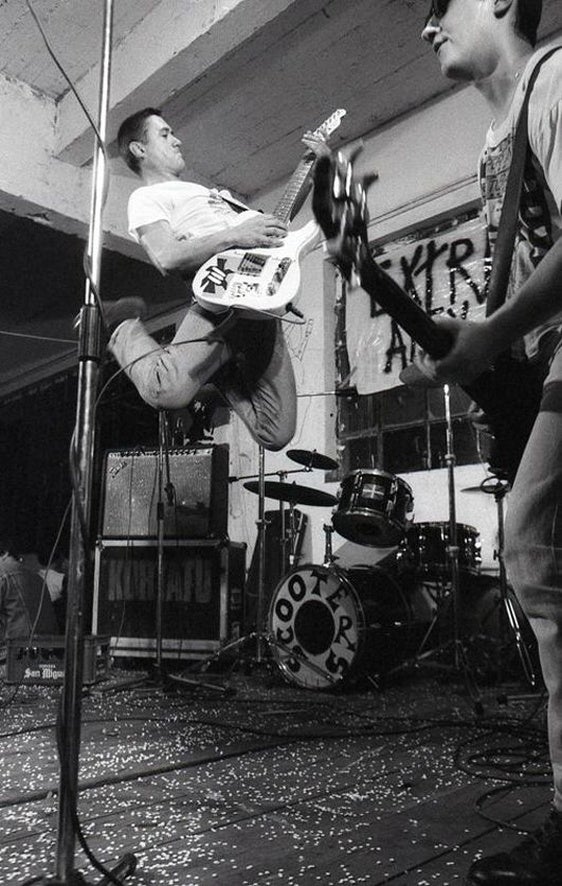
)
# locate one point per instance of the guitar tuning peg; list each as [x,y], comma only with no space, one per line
[369,179]
[355,153]
[339,172]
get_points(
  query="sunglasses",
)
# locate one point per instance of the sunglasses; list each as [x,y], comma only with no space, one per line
[437,9]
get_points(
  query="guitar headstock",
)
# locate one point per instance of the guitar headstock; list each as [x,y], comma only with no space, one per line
[330,125]
[339,204]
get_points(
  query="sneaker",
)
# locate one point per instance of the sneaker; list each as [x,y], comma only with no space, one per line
[115,312]
[536,861]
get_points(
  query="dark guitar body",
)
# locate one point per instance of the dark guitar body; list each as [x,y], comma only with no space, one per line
[510,395]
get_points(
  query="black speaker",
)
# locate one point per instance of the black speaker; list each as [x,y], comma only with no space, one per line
[195,500]
[203,589]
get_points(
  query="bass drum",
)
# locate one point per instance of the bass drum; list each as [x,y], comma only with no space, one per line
[330,626]
[374,508]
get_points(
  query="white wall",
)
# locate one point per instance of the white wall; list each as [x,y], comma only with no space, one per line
[426,165]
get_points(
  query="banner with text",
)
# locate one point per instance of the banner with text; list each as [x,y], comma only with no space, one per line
[446,272]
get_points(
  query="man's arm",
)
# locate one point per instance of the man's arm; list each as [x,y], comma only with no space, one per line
[186,256]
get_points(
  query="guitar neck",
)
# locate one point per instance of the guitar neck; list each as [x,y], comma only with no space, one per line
[398,304]
[295,191]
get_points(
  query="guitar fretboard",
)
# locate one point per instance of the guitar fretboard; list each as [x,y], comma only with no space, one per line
[293,190]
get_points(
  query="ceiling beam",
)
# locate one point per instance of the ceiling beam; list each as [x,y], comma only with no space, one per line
[36,185]
[175,45]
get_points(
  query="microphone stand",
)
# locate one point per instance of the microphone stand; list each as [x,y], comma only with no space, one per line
[453,548]
[69,725]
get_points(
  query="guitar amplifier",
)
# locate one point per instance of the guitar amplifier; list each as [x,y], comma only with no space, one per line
[194,506]
[202,596]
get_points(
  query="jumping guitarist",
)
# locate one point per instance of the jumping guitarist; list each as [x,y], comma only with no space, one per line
[181,225]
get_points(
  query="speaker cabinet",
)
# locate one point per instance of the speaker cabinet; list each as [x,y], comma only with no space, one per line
[195,500]
[203,585]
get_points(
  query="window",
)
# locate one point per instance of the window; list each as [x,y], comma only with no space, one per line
[381,423]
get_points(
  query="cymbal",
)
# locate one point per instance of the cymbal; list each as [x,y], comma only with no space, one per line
[312,459]
[292,492]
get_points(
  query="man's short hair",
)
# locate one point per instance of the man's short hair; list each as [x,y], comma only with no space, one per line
[527,19]
[133,129]
[8,546]
[527,16]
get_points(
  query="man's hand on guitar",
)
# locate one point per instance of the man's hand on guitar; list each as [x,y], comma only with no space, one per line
[261,230]
[317,143]
[469,356]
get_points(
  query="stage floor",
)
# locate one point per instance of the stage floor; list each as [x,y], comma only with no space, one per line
[271,783]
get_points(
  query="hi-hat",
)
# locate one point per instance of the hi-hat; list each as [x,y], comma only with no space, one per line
[293,493]
[312,459]
[491,486]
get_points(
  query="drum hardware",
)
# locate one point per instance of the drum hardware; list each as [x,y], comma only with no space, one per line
[329,556]
[447,580]
[374,508]
[312,459]
[292,492]
[499,488]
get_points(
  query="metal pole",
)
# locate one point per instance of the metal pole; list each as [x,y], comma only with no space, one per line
[88,371]
[452,549]
[262,525]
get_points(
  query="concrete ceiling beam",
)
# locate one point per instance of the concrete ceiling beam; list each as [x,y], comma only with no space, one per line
[175,45]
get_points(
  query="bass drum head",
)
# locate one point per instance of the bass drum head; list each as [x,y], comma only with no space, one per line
[330,626]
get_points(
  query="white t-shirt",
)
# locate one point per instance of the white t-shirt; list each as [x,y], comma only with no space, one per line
[191,209]
[541,201]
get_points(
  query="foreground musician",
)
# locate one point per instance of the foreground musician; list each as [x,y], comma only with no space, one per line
[180,225]
[489,43]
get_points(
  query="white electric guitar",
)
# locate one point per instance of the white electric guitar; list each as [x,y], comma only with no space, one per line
[264,281]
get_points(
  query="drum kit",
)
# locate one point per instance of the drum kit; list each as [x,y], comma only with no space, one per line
[328,627]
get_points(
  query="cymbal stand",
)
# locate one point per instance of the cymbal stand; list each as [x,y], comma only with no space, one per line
[287,527]
[460,663]
[259,635]
[453,548]
[499,488]
[329,556]
[262,529]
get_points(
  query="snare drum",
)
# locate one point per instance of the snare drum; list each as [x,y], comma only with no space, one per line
[427,545]
[374,508]
[330,626]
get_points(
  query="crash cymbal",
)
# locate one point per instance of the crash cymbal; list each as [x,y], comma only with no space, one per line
[291,492]
[312,459]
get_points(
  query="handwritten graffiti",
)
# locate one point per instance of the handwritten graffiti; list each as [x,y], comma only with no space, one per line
[444,274]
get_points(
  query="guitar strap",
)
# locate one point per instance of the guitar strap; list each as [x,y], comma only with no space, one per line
[232,202]
[503,249]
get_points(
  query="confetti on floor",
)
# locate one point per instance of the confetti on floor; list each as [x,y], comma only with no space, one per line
[269,783]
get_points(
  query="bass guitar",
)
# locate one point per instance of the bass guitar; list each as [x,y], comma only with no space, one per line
[509,392]
[265,281]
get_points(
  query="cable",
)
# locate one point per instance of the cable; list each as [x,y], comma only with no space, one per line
[47,338]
